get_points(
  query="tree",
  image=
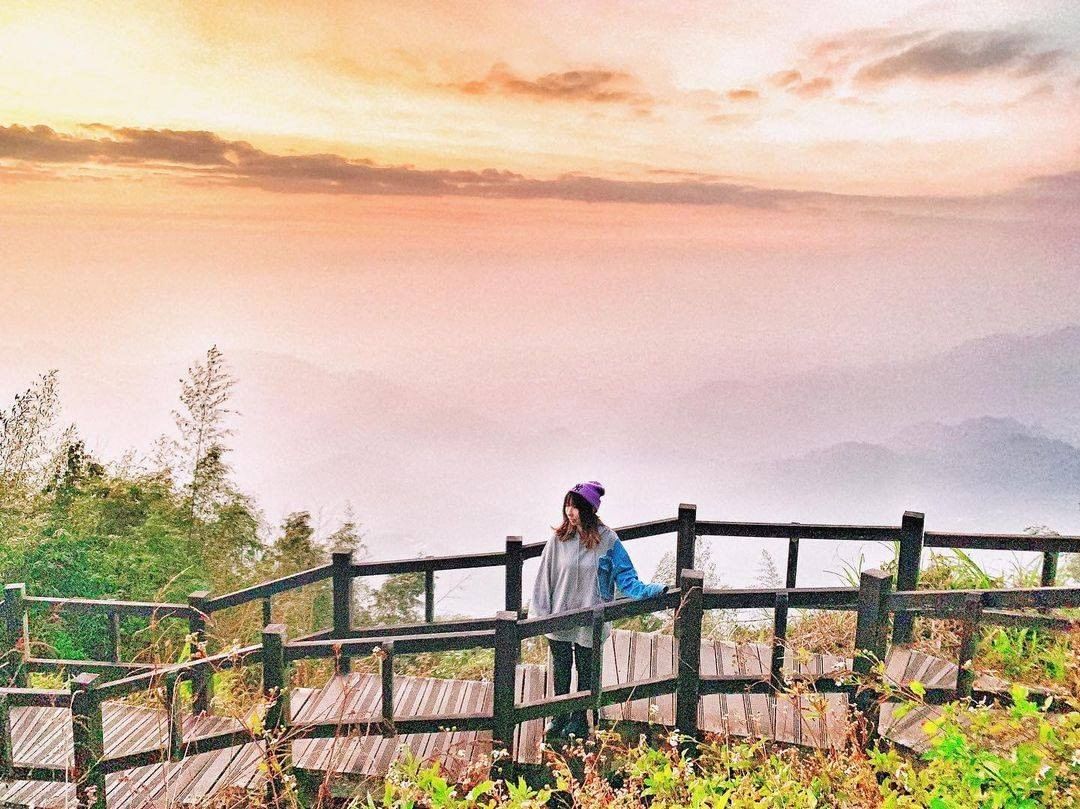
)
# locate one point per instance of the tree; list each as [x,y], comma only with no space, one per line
[222,521]
[348,538]
[26,438]
[204,396]
[397,601]
[296,549]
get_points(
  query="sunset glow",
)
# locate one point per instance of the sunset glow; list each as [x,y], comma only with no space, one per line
[495,201]
[850,100]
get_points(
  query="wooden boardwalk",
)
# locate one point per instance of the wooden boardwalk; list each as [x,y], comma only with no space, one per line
[43,735]
[905,665]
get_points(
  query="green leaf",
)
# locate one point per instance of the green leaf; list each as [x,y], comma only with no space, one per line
[483,788]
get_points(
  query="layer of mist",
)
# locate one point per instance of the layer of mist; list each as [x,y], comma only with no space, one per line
[983,437]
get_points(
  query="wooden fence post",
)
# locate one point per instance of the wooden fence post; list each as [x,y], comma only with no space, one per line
[88,742]
[780,619]
[1049,572]
[912,528]
[7,758]
[276,695]
[386,674]
[174,719]
[507,652]
[871,632]
[202,686]
[792,562]
[513,574]
[1049,569]
[429,596]
[686,540]
[688,617]
[114,635]
[342,576]
[969,639]
[16,635]
[596,677]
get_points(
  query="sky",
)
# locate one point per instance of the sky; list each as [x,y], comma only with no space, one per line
[531,210]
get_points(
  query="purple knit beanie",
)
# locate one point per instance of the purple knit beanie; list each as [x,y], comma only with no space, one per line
[592,491]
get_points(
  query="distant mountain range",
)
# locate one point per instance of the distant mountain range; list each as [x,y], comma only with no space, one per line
[981,474]
[1033,379]
[985,435]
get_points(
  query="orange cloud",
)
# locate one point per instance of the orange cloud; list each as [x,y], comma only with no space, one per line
[813,88]
[205,157]
[594,86]
[785,78]
[743,94]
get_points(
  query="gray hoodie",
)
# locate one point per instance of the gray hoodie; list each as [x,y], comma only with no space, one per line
[567,580]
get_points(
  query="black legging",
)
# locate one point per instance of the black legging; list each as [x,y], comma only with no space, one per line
[563,655]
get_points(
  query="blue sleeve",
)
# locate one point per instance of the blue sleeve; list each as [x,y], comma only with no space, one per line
[626,577]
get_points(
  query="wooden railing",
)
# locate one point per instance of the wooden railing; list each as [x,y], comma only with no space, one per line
[874,602]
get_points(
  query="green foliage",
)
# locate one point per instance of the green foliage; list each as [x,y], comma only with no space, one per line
[398,601]
[1035,656]
[26,439]
[412,783]
[956,570]
[1018,758]
[605,772]
[75,527]
[1022,758]
[850,572]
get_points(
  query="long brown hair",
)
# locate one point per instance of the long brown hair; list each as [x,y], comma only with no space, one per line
[590,523]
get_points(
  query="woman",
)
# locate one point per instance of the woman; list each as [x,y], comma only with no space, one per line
[581,566]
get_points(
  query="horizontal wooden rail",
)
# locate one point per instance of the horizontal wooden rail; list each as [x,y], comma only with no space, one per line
[1052,701]
[652,687]
[267,589]
[647,529]
[625,532]
[146,609]
[436,627]
[195,745]
[190,747]
[532,550]
[152,679]
[1034,620]
[583,700]
[824,598]
[429,563]
[131,761]
[322,634]
[374,726]
[411,644]
[105,668]
[631,608]
[554,706]
[1002,542]
[781,530]
[39,772]
[953,601]
[619,608]
[953,611]
[763,684]
[37,697]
